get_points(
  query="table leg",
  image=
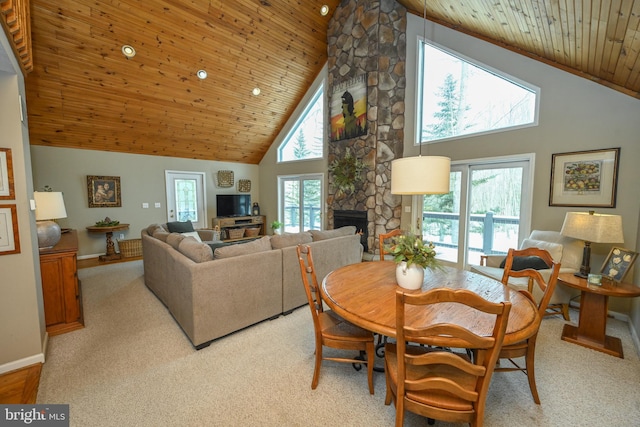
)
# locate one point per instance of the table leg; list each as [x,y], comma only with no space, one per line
[592,326]
[111,251]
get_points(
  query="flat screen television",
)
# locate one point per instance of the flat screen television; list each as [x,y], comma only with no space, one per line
[233,204]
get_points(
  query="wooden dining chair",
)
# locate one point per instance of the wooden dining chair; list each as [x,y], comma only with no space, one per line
[434,381]
[385,236]
[539,291]
[330,329]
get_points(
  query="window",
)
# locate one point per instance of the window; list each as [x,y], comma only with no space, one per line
[304,141]
[462,98]
[301,202]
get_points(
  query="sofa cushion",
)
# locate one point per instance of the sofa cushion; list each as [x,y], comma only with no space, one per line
[260,245]
[153,227]
[180,226]
[161,234]
[330,234]
[285,240]
[193,234]
[554,249]
[196,251]
[525,262]
[174,240]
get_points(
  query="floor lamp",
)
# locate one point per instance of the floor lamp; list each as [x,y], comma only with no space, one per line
[592,228]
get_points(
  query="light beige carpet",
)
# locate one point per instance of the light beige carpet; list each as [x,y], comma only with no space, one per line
[133,366]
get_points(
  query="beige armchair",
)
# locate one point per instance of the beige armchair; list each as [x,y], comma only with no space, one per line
[565,250]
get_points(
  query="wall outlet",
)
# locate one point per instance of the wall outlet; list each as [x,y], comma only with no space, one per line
[121,235]
[407,209]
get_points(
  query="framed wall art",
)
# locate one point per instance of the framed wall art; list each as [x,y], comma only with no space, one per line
[104,191]
[349,109]
[9,238]
[6,175]
[618,263]
[585,178]
[225,179]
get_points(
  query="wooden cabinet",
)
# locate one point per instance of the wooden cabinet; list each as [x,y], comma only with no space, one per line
[61,289]
[227,224]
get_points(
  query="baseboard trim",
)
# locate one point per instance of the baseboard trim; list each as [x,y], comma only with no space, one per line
[21,363]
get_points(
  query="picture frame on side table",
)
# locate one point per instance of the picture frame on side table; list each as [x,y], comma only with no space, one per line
[618,263]
[104,191]
[7,191]
[9,237]
[585,178]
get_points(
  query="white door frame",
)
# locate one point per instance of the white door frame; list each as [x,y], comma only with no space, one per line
[199,177]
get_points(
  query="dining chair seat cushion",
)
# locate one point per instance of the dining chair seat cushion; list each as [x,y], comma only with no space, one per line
[436,398]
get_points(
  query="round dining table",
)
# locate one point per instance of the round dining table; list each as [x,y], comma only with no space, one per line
[365,295]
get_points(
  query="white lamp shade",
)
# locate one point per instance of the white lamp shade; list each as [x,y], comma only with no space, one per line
[593,227]
[420,175]
[49,205]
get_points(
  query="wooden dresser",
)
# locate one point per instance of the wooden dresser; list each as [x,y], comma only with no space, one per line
[60,286]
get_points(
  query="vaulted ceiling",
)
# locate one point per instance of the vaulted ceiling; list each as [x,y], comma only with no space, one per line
[84,93]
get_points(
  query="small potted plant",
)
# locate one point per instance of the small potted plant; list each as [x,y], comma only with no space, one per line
[413,256]
[276,226]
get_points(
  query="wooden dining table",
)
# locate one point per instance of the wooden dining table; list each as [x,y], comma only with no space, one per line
[364,294]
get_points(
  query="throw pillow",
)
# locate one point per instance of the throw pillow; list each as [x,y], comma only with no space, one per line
[197,252]
[180,227]
[193,234]
[290,239]
[260,245]
[330,234]
[524,262]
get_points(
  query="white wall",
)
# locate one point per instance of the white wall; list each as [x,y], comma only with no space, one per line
[22,331]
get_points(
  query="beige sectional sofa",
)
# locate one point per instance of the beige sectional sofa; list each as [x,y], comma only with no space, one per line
[212,294]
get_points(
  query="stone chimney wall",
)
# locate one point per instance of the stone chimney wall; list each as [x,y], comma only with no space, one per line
[369,37]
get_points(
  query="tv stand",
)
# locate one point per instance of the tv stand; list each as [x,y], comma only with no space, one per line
[234,222]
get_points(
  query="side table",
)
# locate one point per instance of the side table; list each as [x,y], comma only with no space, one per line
[592,323]
[111,251]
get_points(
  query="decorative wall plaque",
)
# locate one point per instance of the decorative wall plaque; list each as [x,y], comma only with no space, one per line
[225,178]
[244,185]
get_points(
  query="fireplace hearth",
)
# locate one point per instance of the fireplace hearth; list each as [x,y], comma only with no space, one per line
[342,218]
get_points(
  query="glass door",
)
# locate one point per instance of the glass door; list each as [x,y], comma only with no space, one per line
[300,202]
[487,210]
[186,197]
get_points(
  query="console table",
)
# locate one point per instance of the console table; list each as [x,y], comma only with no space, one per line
[592,324]
[61,289]
[111,250]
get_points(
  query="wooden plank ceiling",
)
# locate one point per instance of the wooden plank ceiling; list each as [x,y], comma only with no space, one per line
[83,93]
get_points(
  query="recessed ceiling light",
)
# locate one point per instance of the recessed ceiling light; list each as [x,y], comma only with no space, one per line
[256,91]
[202,74]
[128,51]
[324,10]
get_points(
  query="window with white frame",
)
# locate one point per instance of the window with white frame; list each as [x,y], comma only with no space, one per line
[304,141]
[461,97]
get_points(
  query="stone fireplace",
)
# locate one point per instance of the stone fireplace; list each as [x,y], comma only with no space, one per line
[358,219]
[369,38]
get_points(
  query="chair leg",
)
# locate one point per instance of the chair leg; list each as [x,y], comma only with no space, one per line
[316,369]
[531,373]
[370,362]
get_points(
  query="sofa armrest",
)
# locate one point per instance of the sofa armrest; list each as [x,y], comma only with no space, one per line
[491,260]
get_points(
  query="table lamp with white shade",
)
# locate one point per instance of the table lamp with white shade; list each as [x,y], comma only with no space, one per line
[49,207]
[592,228]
